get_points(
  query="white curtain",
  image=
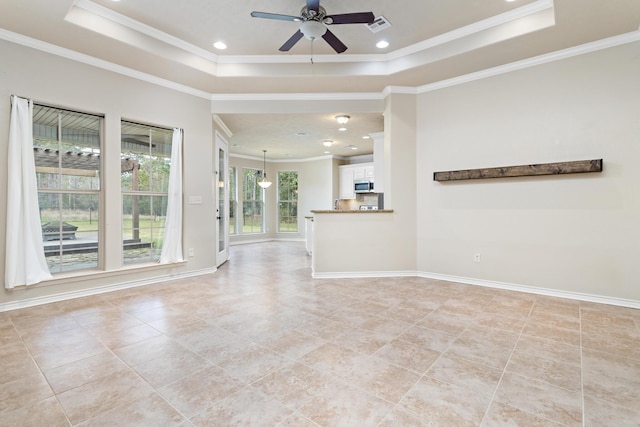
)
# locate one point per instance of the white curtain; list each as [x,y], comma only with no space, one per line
[25,261]
[172,245]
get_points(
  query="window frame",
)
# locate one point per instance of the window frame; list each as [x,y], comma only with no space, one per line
[89,153]
[288,201]
[154,248]
[261,201]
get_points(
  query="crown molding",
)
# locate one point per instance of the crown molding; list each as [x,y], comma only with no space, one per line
[98,63]
[354,96]
[138,26]
[583,49]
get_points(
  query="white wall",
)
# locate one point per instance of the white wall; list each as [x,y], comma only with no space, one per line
[57,81]
[570,233]
[353,244]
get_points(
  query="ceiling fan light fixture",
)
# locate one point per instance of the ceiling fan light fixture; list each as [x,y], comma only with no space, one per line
[313,29]
[342,119]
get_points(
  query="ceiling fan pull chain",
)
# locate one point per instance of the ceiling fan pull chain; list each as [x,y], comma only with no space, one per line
[312,52]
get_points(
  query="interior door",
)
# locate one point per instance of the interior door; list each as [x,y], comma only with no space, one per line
[221,191]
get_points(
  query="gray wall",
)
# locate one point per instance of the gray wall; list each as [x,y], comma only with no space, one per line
[573,233]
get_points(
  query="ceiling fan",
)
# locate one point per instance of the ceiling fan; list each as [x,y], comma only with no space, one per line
[314,20]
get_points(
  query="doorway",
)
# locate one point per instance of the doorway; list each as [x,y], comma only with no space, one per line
[221,192]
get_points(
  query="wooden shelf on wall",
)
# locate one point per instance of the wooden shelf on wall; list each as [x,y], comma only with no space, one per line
[579,166]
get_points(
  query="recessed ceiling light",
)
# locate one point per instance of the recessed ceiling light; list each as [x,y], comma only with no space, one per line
[382,44]
[220,45]
[366,137]
[302,134]
[327,143]
[327,152]
[342,129]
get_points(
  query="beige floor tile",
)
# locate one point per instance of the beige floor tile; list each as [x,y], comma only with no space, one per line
[75,374]
[246,407]
[139,353]
[151,410]
[293,344]
[383,379]
[446,323]
[476,377]
[194,393]
[502,415]
[544,400]
[333,359]
[8,334]
[441,404]
[341,404]
[612,378]
[601,413]
[171,367]
[552,371]
[24,392]
[429,338]
[549,349]
[399,417]
[480,351]
[15,363]
[611,344]
[260,342]
[293,385]
[548,332]
[107,393]
[254,364]
[408,355]
[363,341]
[557,307]
[499,321]
[46,412]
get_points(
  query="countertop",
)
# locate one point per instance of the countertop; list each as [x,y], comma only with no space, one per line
[356,211]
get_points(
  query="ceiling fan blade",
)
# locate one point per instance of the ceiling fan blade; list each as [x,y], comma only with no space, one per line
[334,42]
[313,5]
[275,16]
[293,40]
[352,18]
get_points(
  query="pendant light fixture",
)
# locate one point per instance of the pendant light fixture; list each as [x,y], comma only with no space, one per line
[265,183]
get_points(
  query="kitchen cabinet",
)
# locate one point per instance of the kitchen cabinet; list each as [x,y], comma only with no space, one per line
[350,173]
[346,182]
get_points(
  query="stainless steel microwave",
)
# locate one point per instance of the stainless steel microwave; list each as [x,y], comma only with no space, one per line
[363,186]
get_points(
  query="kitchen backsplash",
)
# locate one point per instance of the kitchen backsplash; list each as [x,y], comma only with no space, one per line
[361,199]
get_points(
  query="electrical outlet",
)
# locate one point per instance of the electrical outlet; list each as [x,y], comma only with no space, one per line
[192,252]
[476,258]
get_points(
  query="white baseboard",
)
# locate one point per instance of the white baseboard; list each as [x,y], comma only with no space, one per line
[362,274]
[534,290]
[30,302]
[481,282]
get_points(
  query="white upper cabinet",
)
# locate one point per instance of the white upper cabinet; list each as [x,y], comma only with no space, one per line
[350,173]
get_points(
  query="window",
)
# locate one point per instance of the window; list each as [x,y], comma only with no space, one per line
[233,201]
[252,201]
[145,153]
[287,201]
[66,147]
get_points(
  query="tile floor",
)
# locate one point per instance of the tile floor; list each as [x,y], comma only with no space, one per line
[260,343]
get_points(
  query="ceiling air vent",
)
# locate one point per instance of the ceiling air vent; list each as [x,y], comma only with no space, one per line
[379,24]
